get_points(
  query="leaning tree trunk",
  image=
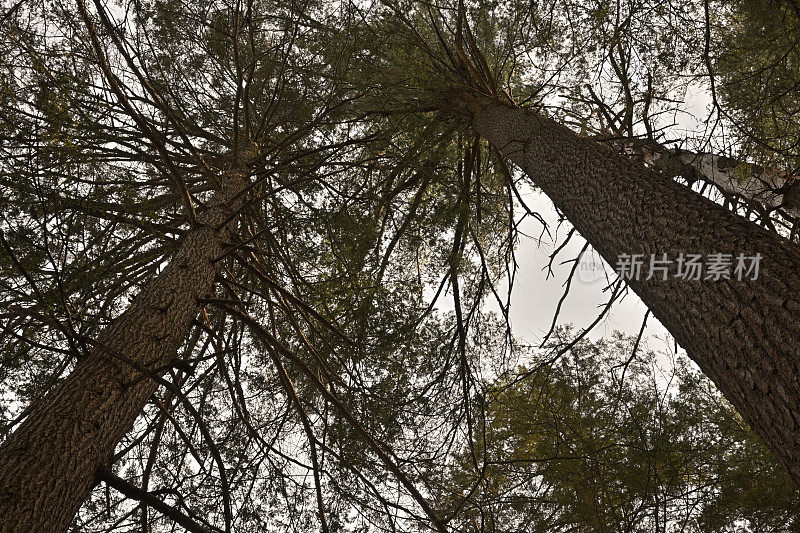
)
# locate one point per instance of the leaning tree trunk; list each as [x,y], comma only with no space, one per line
[744,335]
[49,464]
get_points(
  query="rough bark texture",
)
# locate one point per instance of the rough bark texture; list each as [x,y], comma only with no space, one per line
[49,464]
[745,335]
[769,188]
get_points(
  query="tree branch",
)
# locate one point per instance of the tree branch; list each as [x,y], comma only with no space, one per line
[135,493]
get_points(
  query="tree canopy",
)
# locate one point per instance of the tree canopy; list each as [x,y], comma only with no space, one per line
[353,365]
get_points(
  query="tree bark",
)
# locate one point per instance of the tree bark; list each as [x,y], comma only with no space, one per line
[50,463]
[745,335]
[770,188]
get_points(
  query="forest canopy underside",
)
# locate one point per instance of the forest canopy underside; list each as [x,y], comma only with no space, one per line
[257,261]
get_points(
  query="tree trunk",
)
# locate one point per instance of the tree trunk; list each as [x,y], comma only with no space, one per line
[770,188]
[745,335]
[50,463]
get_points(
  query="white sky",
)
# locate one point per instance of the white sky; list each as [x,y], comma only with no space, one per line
[534,299]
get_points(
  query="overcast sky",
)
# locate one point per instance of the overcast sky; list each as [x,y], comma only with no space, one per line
[535,298]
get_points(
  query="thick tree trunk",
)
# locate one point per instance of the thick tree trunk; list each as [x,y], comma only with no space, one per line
[50,463]
[745,335]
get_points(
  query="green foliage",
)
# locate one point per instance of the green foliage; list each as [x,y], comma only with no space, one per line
[571,448]
[757,61]
[370,195]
